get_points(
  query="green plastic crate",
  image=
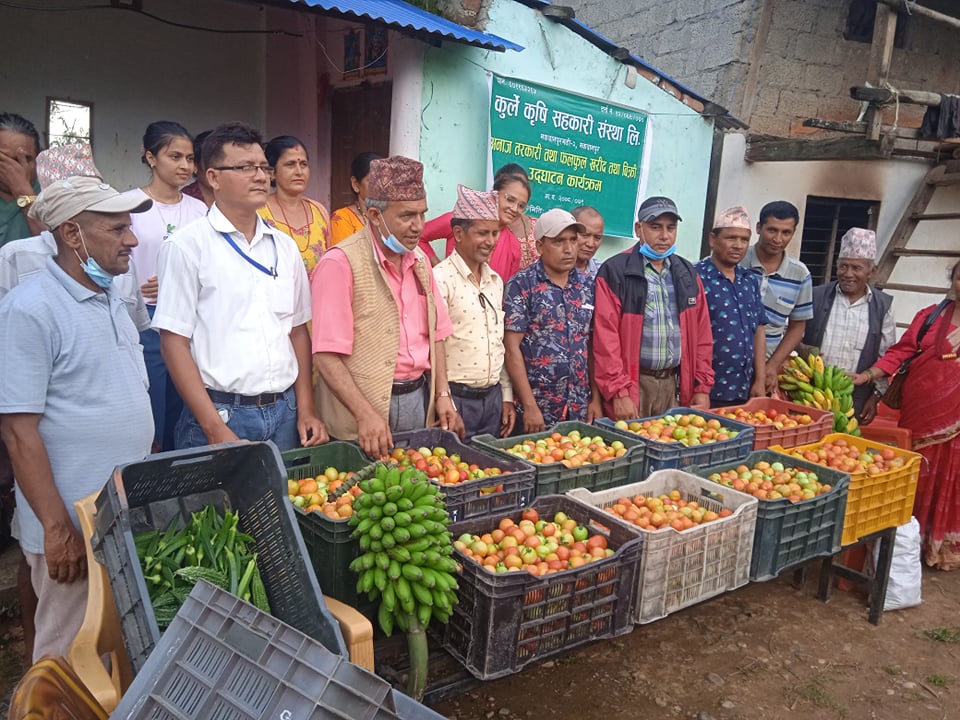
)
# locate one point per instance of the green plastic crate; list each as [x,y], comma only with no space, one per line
[555,479]
[328,541]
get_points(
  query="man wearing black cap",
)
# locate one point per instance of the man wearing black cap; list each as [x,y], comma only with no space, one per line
[652,343]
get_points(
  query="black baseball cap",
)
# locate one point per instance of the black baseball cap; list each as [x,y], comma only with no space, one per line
[654,207]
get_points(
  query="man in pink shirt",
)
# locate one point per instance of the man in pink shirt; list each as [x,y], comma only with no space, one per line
[380,323]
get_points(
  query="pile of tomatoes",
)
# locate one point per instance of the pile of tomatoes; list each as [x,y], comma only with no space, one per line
[849,457]
[537,546]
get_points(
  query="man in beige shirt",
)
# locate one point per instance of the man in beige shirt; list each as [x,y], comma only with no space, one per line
[473,293]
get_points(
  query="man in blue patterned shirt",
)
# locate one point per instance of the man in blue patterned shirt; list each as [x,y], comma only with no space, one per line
[548,310]
[736,312]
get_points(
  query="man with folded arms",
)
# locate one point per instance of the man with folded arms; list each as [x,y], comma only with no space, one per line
[378,341]
[473,294]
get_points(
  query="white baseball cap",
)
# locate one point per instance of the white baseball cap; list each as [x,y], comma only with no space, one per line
[67,198]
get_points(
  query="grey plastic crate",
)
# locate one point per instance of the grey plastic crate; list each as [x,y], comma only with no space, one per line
[224,658]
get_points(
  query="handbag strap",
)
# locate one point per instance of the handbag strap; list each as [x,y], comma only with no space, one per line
[929,322]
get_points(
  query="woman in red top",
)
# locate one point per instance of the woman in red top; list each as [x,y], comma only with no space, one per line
[513,192]
[931,396]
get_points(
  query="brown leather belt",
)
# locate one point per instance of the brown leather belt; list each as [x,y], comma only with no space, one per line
[659,374]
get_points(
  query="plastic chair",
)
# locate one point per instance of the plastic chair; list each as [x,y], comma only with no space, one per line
[100,632]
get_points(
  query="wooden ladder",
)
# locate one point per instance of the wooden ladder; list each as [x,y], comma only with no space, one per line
[946,173]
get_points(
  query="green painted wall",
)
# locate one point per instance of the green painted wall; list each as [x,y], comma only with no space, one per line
[454,131]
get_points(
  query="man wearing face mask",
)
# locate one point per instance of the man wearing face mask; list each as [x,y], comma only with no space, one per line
[652,342]
[379,349]
[73,390]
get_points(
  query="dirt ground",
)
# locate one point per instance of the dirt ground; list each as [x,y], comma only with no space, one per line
[765,652]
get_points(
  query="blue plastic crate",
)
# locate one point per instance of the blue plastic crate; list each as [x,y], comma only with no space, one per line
[676,455]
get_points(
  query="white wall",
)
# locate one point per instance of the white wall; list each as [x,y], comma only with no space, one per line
[892,183]
[135,70]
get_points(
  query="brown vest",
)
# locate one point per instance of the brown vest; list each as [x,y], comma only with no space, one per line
[376,336]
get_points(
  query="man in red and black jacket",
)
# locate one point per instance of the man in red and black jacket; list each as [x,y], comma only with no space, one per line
[652,342]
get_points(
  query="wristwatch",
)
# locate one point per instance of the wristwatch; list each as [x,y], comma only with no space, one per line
[24,200]
[446,394]
[878,392]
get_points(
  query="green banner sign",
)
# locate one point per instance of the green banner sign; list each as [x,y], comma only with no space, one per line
[577,151]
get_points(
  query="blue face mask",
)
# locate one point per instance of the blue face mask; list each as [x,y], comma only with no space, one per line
[391,240]
[92,268]
[649,252]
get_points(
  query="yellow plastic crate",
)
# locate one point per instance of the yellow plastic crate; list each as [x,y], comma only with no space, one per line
[874,502]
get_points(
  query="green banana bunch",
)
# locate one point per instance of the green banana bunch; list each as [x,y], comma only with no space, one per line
[400,521]
[808,381]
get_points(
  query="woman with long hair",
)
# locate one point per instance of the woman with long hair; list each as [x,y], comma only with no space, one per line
[513,194]
[931,396]
[168,151]
[303,219]
[351,219]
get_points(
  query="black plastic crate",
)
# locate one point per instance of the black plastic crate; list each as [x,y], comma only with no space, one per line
[247,478]
[328,541]
[789,534]
[504,622]
[556,479]
[661,455]
[473,498]
[224,658]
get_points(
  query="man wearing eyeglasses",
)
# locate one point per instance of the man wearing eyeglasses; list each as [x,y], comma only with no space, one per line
[589,240]
[473,293]
[233,310]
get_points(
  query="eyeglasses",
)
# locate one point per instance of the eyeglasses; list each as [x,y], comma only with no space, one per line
[485,303]
[247,170]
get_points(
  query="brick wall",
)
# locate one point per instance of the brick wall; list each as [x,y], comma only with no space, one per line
[806,66]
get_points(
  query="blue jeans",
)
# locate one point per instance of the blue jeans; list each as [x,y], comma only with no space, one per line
[165,401]
[277,422]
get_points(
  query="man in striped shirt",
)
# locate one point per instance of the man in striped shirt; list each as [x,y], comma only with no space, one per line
[785,283]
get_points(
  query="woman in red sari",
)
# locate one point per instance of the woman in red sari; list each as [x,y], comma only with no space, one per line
[931,396]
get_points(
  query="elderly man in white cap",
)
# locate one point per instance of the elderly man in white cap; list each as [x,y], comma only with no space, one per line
[73,390]
[473,293]
[853,322]
[736,312]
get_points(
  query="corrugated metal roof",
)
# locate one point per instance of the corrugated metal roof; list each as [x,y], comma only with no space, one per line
[721,115]
[408,18]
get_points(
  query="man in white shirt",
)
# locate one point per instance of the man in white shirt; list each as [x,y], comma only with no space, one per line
[853,323]
[473,293]
[233,309]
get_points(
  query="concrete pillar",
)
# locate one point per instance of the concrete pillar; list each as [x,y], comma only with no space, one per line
[406,57]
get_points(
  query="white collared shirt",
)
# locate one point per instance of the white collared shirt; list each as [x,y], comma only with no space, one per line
[475,355]
[237,318]
[846,331]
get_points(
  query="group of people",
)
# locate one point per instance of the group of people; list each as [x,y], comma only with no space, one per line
[263,317]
